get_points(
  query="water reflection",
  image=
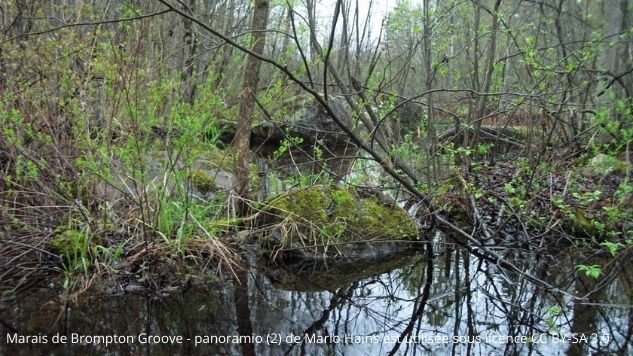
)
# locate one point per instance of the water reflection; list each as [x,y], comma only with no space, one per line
[452,303]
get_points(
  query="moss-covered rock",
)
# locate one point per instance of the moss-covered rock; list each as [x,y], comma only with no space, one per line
[333,220]
[203,181]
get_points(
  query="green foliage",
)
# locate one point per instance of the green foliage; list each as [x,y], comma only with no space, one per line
[179,220]
[612,247]
[74,240]
[26,170]
[593,271]
[404,21]
[509,188]
[286,144]
[587,197]
[552,314]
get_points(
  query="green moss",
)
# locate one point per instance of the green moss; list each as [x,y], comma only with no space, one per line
[203,181]
[304,204]
[346,201]
[339,214]
[380,220]
[218,159]
[595,227]
[67,241]
[253,174]
[581,221]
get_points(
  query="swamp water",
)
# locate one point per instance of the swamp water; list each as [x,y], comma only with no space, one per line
[470,306]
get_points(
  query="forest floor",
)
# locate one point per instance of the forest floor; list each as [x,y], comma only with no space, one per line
[519,206]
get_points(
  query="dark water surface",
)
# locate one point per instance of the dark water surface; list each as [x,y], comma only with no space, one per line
[469,306]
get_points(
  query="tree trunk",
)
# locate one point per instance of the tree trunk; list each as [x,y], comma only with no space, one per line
[428,63]
[490,62]
[190,49]
[311,7]
[474,74]
[227,51]
[247,96]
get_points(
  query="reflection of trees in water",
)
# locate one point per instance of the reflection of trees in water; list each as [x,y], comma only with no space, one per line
[606,310]
[466,296]
[243,311]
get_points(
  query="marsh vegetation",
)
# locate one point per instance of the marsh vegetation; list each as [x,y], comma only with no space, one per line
[466,164]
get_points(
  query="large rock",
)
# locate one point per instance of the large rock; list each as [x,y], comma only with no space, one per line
[323,222]
[304,118]
[301,136]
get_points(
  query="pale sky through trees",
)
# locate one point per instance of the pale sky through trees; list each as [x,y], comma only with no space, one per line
[379,9]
